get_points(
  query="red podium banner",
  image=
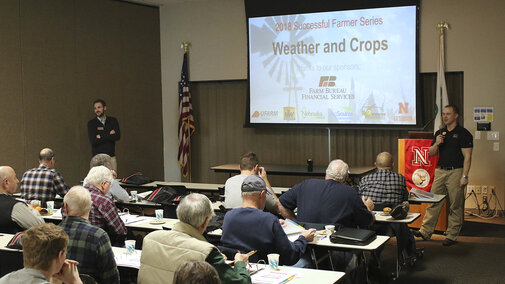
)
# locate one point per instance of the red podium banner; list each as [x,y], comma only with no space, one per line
[415,163]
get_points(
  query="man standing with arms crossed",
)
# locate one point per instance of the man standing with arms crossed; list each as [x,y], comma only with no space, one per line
[454,145]
[103,132]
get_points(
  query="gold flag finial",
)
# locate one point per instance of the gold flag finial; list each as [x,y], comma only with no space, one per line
[185,45]
[442,25]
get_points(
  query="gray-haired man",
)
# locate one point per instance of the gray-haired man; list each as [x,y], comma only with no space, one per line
[115,191]
[164,251]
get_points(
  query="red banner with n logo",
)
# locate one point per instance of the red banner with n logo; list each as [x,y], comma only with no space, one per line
[415,163]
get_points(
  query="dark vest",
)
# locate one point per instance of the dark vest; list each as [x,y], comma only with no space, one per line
[6,224]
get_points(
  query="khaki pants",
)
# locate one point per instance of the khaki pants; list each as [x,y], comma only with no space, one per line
[446,182]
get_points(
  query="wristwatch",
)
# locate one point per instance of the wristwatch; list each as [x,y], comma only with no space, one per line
[465,176]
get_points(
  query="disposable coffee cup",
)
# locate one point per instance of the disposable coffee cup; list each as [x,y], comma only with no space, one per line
[159,214]
[130,246]
[330,229]
[50,207]
[134,195]
[273,261]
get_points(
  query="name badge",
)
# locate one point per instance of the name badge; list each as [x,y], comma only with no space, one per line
[99,128]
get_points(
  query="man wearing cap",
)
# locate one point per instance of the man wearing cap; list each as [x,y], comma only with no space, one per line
[454,145]
[268,236]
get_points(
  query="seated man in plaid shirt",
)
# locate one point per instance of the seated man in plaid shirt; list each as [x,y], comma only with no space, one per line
[88,244]
[388,189]
[104,213]
[44,182]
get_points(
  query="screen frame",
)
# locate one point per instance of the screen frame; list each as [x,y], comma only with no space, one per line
[266,8]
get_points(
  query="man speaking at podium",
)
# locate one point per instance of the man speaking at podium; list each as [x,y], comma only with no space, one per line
[454,145]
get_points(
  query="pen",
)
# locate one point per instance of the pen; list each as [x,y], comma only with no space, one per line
[324,237]
[289,278]
[248,254]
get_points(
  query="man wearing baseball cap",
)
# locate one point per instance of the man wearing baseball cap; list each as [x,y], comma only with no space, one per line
[267,236]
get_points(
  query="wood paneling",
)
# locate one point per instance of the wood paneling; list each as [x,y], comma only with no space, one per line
[220,138]
[12,139]
[57,57]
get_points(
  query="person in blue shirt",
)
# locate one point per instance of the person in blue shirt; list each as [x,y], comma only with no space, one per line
[268,235]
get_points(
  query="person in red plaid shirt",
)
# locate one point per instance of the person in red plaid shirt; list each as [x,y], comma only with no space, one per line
[104,213]
[44,182]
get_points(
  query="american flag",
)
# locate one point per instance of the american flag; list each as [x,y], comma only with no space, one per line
[186,121]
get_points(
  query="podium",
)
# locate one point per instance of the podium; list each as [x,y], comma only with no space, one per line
[418,168]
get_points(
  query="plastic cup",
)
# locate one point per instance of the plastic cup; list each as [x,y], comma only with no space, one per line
[130,246]
[330,229]
[50,206]
[159,214]
[134,195]
[273,261]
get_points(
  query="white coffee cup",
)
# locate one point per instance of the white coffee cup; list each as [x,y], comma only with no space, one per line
[159,214]
[273,261]
[130,246]
[50,206]
[330,229]
[134,195]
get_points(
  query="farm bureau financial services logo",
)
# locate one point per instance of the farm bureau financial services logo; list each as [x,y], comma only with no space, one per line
[327,90]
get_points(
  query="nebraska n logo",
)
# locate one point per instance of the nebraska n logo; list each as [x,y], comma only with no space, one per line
[403,108]
[421,156]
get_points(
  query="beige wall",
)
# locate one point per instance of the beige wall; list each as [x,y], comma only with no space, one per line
[474,45]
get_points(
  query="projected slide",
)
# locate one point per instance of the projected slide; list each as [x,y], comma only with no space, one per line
[346,67]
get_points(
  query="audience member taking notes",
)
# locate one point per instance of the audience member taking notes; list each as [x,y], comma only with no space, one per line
[267,236]
[164,251]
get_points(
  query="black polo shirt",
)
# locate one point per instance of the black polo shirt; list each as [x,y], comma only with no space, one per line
[450,154]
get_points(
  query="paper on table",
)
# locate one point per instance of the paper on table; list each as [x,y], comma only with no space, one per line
[128,260]
[145,193]
[269,276]
[129,219]
[57,213]
[292,229]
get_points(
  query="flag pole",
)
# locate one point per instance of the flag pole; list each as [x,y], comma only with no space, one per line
[441,89]
[185,45]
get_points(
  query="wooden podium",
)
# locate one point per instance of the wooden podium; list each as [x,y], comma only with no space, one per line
[426,139]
